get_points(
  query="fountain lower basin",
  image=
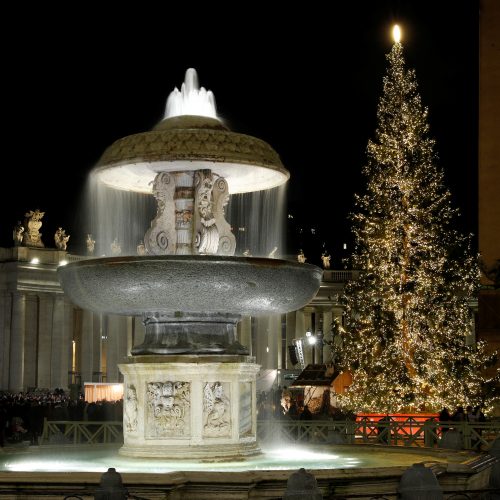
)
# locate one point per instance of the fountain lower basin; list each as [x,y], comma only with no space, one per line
[171,284]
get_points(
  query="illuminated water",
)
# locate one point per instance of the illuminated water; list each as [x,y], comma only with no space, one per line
[100,458]
[191,99]
[257,219]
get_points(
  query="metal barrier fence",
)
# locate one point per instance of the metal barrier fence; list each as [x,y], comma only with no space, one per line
[81,432]
[473,436]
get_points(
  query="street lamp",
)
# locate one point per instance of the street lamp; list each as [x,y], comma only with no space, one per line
[311,340]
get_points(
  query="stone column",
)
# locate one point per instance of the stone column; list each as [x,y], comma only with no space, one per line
[268,340]
[262,341]
[116,347]
[5,320]
[87,346]
[300,324]
[112,348]
[60,355]
[31,342]
[96,346]
[327,321]
[308,348]
[291,325]
[300,330]
[17,334]
[275,341]
[46,307]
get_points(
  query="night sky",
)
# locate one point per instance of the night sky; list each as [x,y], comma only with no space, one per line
[305,81]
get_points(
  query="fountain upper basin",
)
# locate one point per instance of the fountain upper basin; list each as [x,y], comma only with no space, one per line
[247,286]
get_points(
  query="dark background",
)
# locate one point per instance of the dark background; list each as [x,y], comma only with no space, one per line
[305,80]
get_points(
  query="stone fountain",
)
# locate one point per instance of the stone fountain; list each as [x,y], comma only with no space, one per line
[190,387]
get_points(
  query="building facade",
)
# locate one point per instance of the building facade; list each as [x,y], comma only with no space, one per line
[46,342]
[489,172]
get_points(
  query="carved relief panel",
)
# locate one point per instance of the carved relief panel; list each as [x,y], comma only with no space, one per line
[168,410]
[130,409]
[216,409]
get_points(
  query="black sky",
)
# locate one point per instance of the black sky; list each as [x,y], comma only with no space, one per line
[305,80]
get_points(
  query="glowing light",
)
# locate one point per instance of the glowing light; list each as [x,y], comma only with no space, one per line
[396,33]
[35,260]
[63,262]
[73,358]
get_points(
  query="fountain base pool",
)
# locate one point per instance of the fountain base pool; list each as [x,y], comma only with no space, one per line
[360,471]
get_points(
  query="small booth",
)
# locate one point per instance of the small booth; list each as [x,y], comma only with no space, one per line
[101,391]
[319,385]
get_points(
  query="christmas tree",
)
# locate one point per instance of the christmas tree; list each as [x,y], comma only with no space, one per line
[409,330]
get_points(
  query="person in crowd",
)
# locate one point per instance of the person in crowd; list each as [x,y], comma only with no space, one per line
[458,415]
[306,414]
[444,416]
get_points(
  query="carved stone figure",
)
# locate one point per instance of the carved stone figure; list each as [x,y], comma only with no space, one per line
[61,239]
[168,409]
[161,238]
[301,257]
[130,411]
[247,253]
[208,241]
[90,244]
[326,260]
[17,234]
[227,240]
[116,248]
[33,222]
[216,411]
[213,232]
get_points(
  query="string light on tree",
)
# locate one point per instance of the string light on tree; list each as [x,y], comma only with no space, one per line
[408,321]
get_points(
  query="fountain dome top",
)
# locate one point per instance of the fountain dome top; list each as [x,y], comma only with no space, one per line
[185,142]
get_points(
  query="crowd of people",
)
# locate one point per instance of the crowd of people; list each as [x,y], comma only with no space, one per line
[460,415]
[22,414]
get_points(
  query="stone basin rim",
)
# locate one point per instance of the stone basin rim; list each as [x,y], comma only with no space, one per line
[210,288]
[265,261]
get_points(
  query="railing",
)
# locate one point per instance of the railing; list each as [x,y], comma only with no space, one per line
[476,436]
[340,276]
[81,432]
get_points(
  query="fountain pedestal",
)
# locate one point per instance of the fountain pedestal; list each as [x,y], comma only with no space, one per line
[190,407]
